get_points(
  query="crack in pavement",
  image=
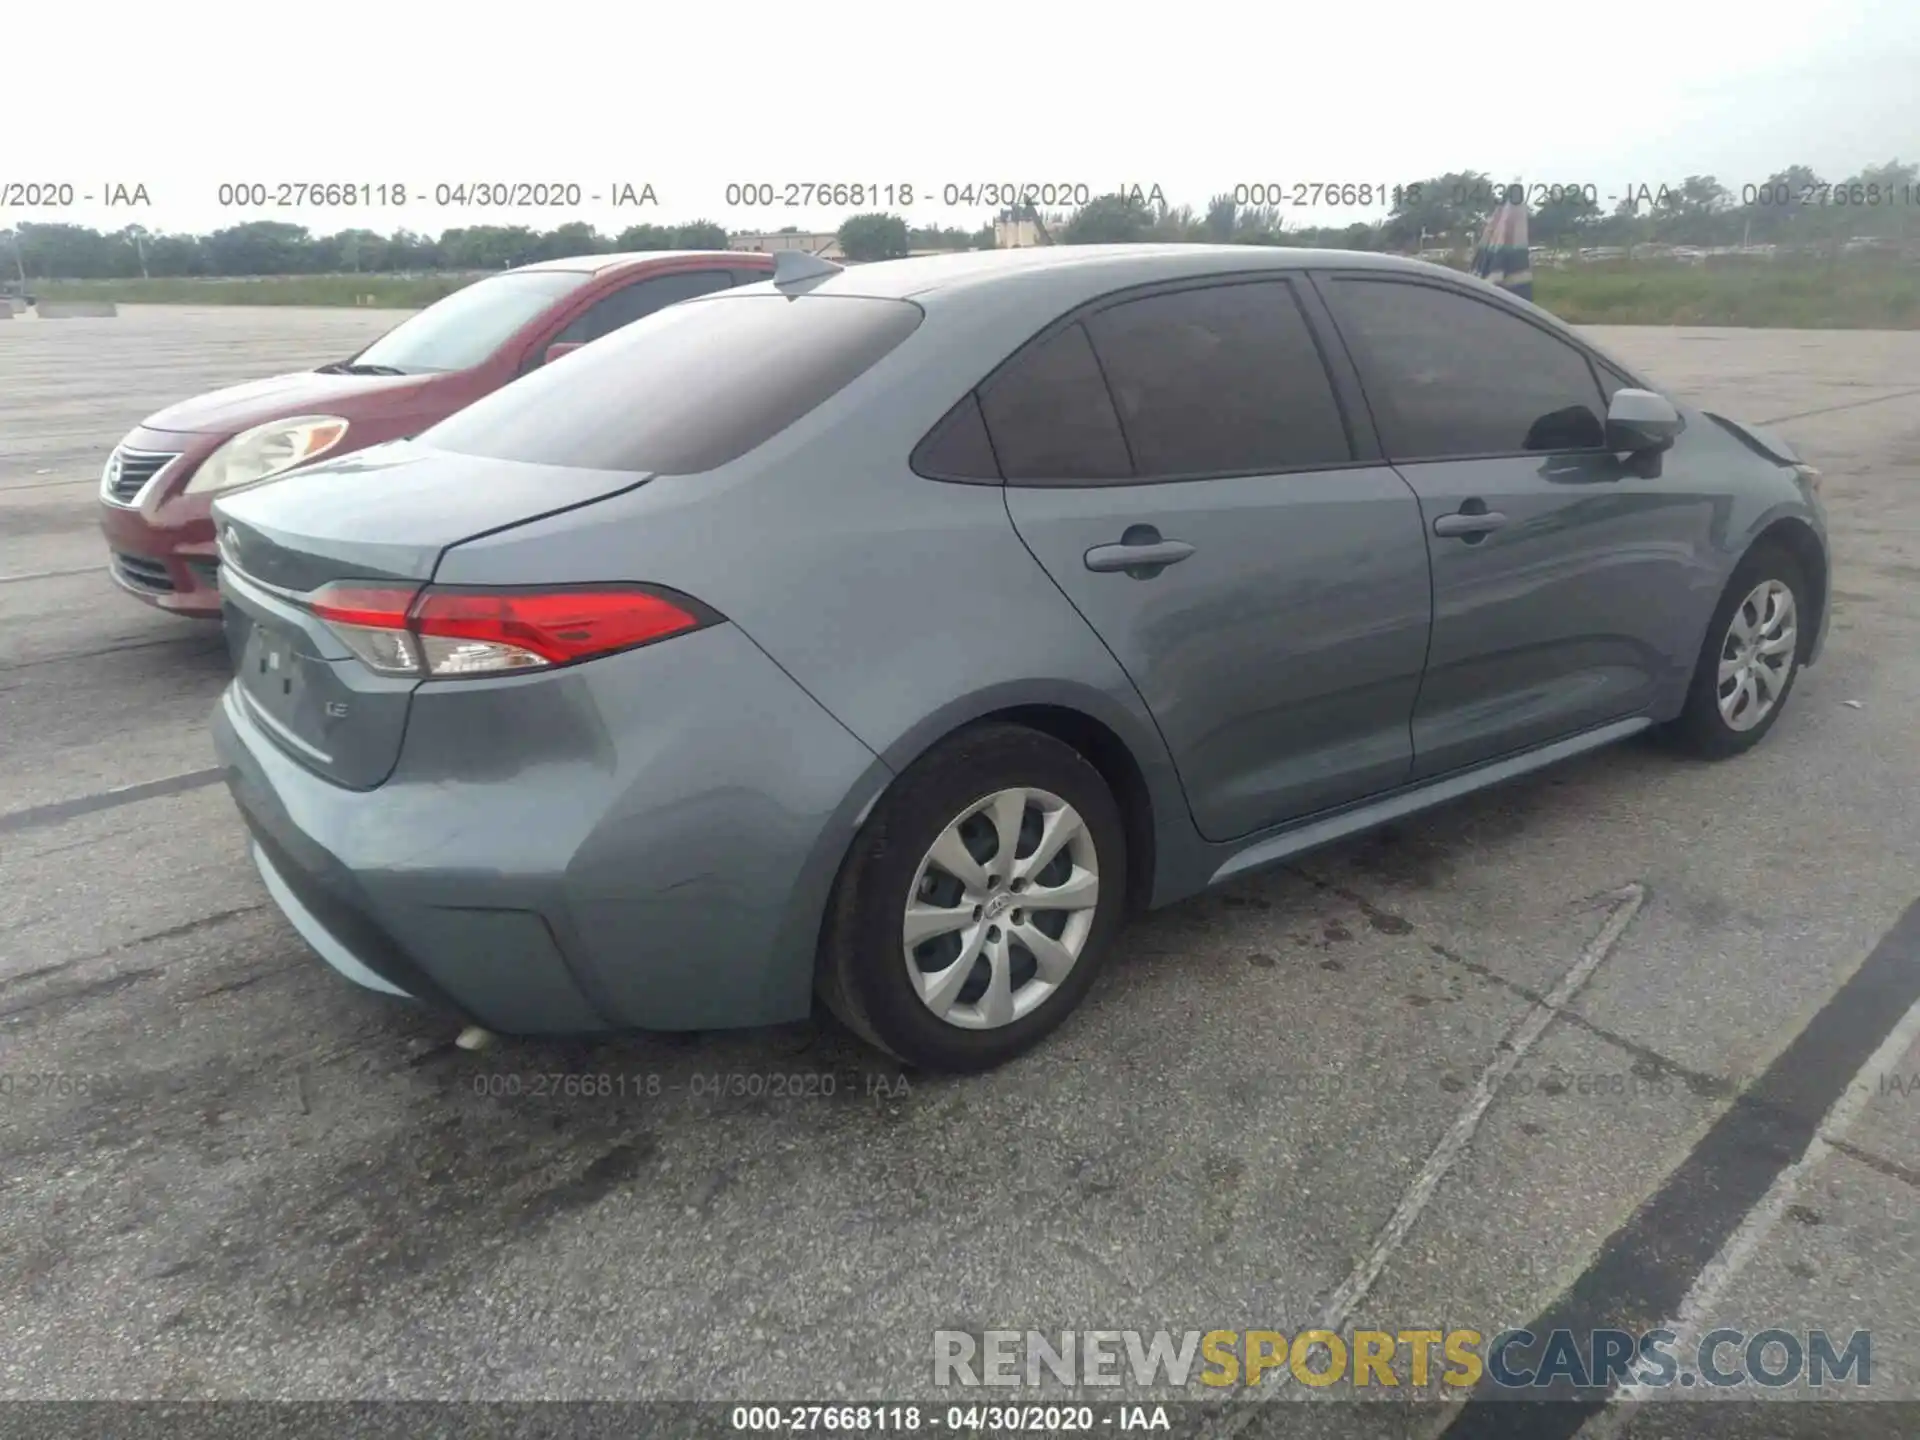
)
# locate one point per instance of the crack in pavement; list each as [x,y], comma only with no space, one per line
[1873,1160]
[18,665]
[1699,1081]
[205,922]
[50,574]
[1832,409]
[1703,1084]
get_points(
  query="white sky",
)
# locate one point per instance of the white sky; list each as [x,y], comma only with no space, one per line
[1194,97]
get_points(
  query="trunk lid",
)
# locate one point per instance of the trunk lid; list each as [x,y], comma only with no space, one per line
[382,516]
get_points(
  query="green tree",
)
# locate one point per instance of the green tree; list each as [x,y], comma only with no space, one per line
[361,250]
[260,247]
[700,235]
[1222,220]
[1564,217]
[1110,220]
[1176,225]
[1692,213]
[938,237]
[1260,225]
[874,236]
[1898,187]
[407,250]
[646,237]
[177,255]
[566,241]
[1441,209]
[1778,209]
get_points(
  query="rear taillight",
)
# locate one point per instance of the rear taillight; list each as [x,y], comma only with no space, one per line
[372,621]
[474,631]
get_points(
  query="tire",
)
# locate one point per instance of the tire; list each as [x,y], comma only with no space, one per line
[867,973]
[1702,729]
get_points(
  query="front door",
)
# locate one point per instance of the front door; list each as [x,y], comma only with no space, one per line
[1180,465]
[1557,567]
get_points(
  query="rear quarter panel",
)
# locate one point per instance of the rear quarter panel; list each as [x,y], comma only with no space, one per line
[907,607]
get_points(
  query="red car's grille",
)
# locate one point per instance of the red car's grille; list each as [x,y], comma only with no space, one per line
[128,471]
[143,573]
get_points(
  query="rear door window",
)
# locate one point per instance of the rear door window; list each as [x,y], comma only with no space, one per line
[686,389]
[1451,377]
[1051,418]
[1219,380]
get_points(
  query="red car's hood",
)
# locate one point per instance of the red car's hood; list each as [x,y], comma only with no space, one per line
[306,392]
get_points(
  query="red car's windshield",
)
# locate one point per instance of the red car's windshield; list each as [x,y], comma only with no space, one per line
[466,327]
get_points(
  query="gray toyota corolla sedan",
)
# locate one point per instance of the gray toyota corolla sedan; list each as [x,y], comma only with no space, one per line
[885,634]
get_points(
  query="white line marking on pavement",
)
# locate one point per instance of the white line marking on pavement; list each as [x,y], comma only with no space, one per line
[1519,1042]
[1721,1271]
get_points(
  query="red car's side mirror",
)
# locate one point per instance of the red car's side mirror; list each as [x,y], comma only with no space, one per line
[554,352]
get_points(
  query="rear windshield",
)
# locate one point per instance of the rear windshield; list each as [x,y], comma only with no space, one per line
[686,389]
[464,329]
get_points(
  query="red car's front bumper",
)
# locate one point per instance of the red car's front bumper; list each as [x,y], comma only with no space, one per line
[161,541]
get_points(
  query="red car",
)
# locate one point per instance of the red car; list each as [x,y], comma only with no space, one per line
[158,488]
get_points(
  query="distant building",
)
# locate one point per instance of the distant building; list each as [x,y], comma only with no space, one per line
[827,246]
[1022,234]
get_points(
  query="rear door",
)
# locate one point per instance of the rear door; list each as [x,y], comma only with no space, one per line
[1181,464]
[1557,567]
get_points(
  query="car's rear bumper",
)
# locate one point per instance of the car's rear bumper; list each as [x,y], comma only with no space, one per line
[315,930]
[645,842]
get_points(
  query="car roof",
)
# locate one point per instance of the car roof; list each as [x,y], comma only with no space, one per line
[1004,290]
[1076,266]
[632,259]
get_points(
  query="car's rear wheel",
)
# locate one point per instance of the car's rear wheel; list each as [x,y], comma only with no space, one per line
[1750,658]
[977,903]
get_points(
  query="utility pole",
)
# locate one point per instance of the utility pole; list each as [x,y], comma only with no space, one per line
[1039,225]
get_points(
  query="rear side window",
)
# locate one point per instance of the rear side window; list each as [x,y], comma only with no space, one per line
[1219,380]
[640,299]
[1449,376]
[1051,417]
[687,389]
[958,448]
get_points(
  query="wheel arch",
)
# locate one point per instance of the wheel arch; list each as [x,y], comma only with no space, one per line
[1100,747]
[1125,748]
[1794,535]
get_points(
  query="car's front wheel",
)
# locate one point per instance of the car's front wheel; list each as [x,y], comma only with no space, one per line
[978,900]
[1750,659]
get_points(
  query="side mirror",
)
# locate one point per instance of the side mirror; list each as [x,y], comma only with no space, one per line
[1639,422]
[554,352]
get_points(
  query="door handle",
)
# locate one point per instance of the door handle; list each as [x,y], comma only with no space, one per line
[1469,524]
[1141,553]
